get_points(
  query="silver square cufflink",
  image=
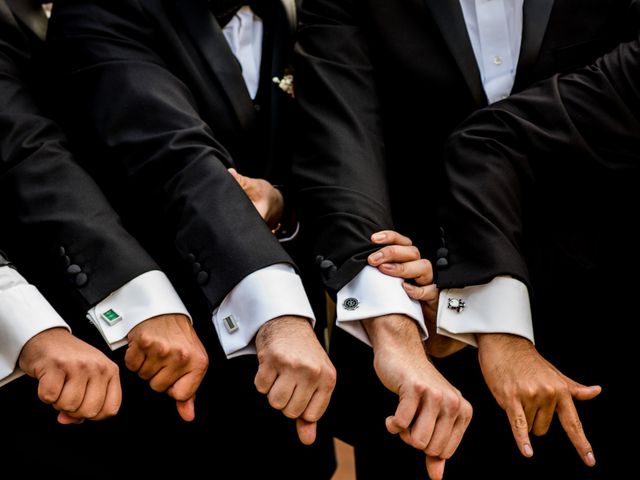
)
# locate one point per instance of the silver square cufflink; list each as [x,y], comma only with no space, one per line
[231,324]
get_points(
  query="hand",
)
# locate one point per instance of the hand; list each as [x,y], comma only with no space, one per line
[166,351]
[265,197]
[295,372]
[432,415]
[401,259]
[530,390]
[77,379]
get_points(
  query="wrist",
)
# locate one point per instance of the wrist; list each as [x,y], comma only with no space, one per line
[500,340]
[38,345]
[271,328]
[392,330]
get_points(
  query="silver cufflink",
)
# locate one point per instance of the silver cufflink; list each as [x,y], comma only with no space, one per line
[230,323]
[456,304]
[351,303]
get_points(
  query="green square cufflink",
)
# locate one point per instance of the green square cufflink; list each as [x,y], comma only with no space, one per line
[111,316]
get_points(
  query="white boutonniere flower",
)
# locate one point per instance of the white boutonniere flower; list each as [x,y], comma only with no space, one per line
[285,84]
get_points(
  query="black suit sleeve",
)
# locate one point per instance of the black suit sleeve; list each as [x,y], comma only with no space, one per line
[53,215]
[563,137]
[146,120]
[339,166]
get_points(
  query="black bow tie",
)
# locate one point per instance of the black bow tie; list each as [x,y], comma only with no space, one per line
[224,10]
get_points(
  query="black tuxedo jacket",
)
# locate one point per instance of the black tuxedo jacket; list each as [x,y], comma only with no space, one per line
[56,224]
[573,138]
[158,95]
[381,85]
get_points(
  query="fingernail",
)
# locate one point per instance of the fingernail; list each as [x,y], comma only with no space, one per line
[388,266]
[591,460]
[376,257]
[528,451]
[378,237]
[408,287]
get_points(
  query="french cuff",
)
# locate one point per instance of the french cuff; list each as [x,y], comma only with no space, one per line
[500,306]
[371,294]
[266,294]
[24,313]
[146,296]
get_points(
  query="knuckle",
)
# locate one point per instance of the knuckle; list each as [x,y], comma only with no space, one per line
[89,414]
[292,413]
[420,389]
[419,443]
[331,377]
[110,411]
[113,370]
[519,422]
[181,355]
[433,450]
[156,387]
[312,417]
[437,397]
[82,365]
[201,362]
[425,267]
[314,372]
[548,391]
[467,411]
[390,251]
[47,395]
[145,342]
[453,403]
[69,406]
[277,402]
[530,392]
[263,357]
[576,425]
[181,395]
[103,368]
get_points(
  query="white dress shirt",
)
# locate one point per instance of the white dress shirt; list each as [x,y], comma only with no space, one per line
[24,313]
[502,305]
[495,31]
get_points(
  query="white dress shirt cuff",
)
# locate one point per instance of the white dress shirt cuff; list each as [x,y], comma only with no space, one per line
[266,294]
[24,313]
[371,294]
[500,306]
[146,296]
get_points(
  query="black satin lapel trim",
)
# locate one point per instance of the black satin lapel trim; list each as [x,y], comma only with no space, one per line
[536,14]
[209,40]
[448,15]
[30,12]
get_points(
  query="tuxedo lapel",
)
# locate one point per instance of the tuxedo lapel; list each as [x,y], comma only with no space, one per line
[31,14]
[535,20]
[448,16]
[209,40]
